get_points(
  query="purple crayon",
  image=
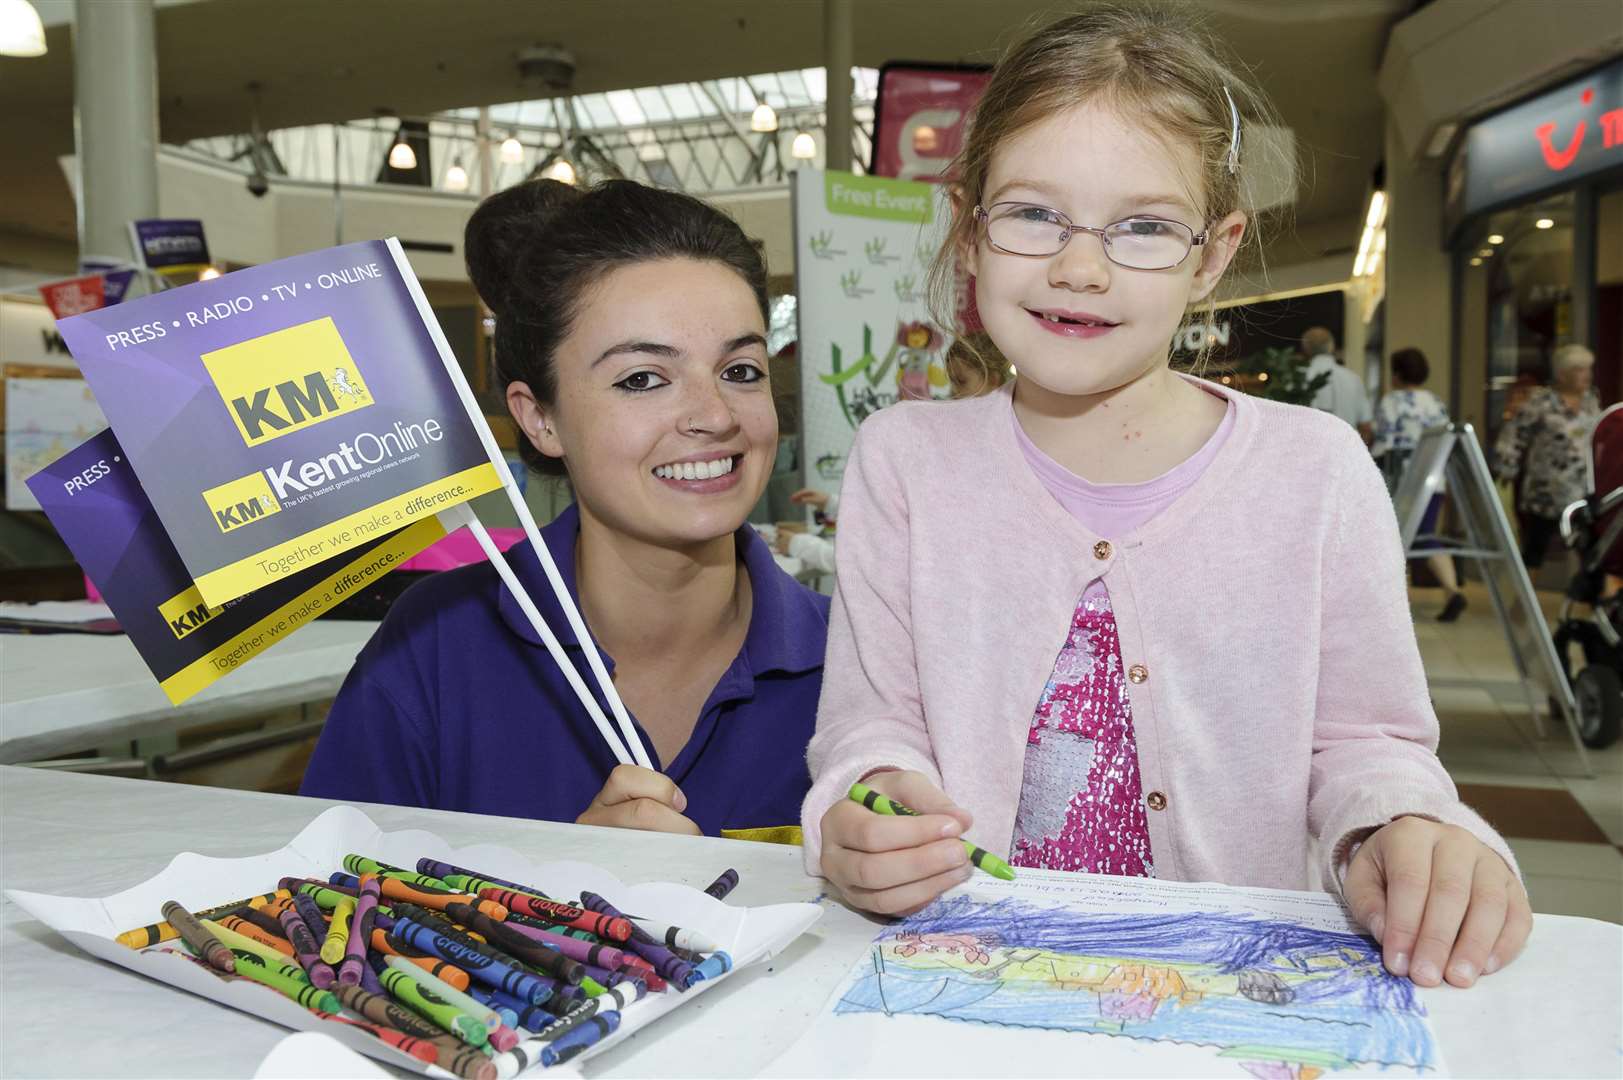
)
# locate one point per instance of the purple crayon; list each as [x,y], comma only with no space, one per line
[306,949]
[726,883]
[439,869]
[667,964]
[360,933]
[311,913]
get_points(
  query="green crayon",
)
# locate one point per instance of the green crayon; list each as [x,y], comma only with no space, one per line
[431,1006]
[279,977]
[360,864]
[326,899]
[880,804]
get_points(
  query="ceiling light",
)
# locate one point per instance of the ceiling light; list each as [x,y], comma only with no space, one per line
[804,147]
[1544,223]
[209,273]
[512,150]
[1377,210]
[764,119]
[456,177]
[1475,261]
[401,155]
[560,170]
[1495,238]
[1486,253]
[21,32]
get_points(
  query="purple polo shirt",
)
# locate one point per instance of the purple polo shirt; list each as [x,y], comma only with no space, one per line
[455,704]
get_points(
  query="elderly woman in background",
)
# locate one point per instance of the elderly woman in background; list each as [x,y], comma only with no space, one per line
[1546,444]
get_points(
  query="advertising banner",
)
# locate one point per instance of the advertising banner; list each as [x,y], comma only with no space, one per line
[863,246]
[285,414]
[172,248]
[75,296]
[92,496]
[920,116]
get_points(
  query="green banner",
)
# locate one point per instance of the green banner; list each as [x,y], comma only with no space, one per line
[877,197]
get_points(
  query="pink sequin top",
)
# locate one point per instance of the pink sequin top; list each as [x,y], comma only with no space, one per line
[1081,803]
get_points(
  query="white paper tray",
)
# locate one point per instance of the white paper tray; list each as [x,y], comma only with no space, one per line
[199,881]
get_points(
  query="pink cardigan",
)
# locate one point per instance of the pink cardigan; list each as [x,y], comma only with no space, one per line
[1282,696]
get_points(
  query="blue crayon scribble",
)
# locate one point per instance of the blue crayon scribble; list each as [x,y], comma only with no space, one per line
[1274,998]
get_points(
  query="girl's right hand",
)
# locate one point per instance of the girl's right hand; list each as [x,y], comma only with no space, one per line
[638,798]
[896,865]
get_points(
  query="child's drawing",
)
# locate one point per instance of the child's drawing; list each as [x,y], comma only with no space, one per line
[1270,998]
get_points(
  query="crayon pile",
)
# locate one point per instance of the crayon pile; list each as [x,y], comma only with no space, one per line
[481,976]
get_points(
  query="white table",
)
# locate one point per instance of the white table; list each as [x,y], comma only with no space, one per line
[61,693]
[89,835]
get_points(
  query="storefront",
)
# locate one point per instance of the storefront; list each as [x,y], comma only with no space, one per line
[1534,221]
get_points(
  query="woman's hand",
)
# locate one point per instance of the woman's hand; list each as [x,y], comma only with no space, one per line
[1441,903]
[896,865]
[638,798]
[810,497]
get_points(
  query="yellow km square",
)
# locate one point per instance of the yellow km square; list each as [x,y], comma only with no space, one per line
[287,380]
[241,502]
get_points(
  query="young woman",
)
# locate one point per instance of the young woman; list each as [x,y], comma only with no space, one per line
[630,333]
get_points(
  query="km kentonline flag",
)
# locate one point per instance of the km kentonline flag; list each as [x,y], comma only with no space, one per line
[281,415]
[93,498]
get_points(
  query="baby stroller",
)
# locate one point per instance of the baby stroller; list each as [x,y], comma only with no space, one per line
[1593,527]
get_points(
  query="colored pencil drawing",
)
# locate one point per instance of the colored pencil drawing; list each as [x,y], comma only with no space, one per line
[1273,999]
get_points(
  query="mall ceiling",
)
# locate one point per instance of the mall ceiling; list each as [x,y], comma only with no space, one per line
[321,60]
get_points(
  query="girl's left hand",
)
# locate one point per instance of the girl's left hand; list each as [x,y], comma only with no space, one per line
[1441,903]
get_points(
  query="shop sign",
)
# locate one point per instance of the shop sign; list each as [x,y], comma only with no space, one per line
[1548,142]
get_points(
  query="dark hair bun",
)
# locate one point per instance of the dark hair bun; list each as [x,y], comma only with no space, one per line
[507,229]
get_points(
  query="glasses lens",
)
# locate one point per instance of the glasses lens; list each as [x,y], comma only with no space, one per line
[1148,243]
[1025,229]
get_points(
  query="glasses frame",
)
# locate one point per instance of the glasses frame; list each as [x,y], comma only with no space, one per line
[983,215]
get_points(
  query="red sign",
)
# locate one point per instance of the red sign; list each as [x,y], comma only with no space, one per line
[74,296]
[1543,144]
[920,116]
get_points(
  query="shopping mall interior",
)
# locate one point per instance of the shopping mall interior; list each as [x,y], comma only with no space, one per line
[1440,179]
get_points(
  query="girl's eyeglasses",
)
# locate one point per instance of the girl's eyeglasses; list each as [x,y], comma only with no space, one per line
[1138,243]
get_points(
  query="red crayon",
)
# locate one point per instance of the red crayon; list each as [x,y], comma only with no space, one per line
[420,1049]
[604,926]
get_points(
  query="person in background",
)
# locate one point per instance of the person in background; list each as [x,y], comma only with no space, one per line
[1343,395]
[1402,416]
[974,367]
[1546,445]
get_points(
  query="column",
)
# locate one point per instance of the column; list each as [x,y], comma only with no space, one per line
[837,57]
[115,120]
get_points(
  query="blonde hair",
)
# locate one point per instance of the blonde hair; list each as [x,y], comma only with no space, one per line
[1153,62]
[1570,356]
[975,366]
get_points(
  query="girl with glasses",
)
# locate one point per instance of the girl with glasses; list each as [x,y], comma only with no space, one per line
[1204,665]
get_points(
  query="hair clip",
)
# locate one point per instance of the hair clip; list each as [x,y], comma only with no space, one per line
[1234,133]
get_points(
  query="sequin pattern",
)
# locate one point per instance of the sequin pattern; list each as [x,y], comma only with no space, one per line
[1083,728]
